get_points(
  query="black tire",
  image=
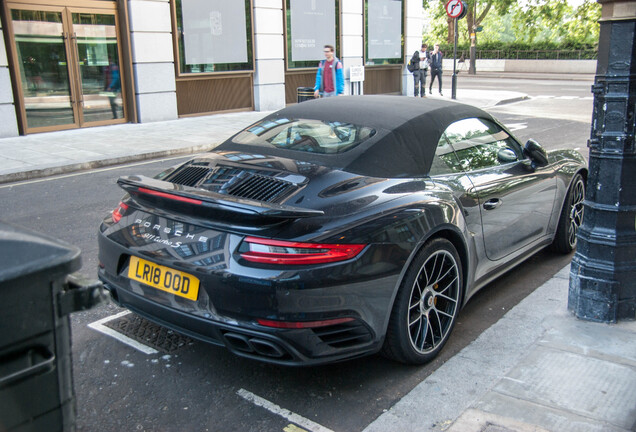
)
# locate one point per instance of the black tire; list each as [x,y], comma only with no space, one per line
[426,306]
[571,217]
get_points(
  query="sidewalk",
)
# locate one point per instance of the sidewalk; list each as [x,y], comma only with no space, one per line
[52,153]
[537,369]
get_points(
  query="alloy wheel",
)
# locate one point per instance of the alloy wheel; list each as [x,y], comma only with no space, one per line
[576,211]
[433,302]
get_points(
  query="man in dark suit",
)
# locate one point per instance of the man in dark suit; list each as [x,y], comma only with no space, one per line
[436,69]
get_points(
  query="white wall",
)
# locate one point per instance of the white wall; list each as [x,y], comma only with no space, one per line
[153,59]
[8,120]
[269,55]
[529,66]
[412,40]
[351,42]
[551,66]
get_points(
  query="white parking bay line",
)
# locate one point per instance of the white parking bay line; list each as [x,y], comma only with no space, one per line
[272,407]
[100,327]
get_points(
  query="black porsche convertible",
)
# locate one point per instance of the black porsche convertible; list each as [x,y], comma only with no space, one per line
[337,228]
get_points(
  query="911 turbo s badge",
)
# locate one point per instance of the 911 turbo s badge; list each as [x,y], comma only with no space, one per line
[153,231]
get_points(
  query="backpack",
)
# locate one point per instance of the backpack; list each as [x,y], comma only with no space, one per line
[410,66]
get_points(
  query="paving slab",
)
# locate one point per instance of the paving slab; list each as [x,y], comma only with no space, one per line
[538,368]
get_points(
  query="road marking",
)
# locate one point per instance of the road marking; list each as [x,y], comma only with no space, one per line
[293,428]
[100,327]
[563,97]
[273,408]
[517,126]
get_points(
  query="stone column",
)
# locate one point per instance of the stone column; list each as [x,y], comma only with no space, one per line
[412,41]
[8,120]
[269,55]
[603,271]
[352,40]
[153,60]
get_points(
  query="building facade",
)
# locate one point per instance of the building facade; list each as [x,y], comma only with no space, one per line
[68,64]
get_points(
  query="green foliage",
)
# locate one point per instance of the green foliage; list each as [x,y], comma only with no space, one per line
[529,25]
[522,46]
[556,20]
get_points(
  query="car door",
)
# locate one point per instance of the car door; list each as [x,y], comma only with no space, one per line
[515,199]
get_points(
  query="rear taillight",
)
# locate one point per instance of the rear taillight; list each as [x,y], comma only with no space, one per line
[267,251]
[119,212]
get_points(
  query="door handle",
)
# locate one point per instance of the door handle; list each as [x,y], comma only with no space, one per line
[492,204]
[79,69]
[66,37]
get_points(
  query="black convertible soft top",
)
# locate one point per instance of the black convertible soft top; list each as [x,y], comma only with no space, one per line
[407,132]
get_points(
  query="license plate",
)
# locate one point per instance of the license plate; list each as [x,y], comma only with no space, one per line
[164,278]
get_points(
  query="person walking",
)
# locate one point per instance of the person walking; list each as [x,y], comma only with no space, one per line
[436,69]
[329,77]
[420,61]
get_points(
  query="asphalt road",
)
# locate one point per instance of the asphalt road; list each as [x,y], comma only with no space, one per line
[197,387]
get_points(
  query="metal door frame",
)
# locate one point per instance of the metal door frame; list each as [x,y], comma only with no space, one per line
[66,9]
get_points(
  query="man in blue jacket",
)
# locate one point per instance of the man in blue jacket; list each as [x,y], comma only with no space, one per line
[329,78]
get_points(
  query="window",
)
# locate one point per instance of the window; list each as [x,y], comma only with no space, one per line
[445,161]
[480,143]
[311,25]
[383,39]
[214,35]
[313,136]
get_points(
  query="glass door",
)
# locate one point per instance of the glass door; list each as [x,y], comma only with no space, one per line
[69,67]
[42,58]
[97,58]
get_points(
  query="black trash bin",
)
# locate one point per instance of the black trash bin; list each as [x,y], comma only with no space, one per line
[37,294]
[305,93]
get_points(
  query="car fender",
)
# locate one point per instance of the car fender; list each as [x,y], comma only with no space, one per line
[451,228]
[566,163]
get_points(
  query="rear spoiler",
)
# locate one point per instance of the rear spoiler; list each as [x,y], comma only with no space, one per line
[185,199]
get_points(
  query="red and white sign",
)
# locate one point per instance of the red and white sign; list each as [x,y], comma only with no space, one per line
[454,8]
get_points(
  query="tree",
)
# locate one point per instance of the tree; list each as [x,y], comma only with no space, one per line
[477,12]
[529,22]
[556,20]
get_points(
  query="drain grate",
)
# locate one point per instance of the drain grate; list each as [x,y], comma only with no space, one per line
[149,333]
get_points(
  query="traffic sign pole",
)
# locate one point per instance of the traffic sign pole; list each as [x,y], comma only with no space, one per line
[456,9]
[454,78]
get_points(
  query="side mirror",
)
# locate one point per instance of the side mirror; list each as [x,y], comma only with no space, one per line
[536,153]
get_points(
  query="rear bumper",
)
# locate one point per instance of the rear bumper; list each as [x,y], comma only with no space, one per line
[297,347]
[235,294]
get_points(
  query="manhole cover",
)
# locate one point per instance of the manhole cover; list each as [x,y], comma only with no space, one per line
[149,333]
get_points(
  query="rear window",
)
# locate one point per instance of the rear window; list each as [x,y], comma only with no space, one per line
[312,136]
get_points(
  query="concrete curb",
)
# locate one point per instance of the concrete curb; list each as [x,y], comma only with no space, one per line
[512,100]
[101,163]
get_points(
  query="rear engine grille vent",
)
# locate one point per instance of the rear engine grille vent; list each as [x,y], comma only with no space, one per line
[219,177]
[189,175]
[344,335]
[238,182]
[261,188]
